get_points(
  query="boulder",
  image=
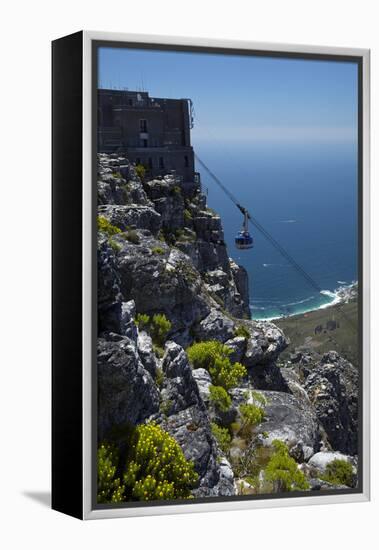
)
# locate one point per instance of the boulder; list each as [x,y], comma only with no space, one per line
[266,342]
[290,421]
[216,326]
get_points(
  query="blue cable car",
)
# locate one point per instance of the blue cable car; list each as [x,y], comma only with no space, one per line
[243,239]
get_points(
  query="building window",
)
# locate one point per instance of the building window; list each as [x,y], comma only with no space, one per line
[130,102]
[161,162]
[186,161]
[143,125]
[144,143]
[150,163]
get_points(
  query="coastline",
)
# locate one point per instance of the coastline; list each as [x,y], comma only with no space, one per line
[341,295]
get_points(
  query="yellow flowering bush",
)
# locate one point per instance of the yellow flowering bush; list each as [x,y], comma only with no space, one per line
[109,487]
[156,468]
[105,226]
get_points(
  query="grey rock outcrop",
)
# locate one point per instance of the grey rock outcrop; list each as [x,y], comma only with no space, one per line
[127,392]
[332,387]
[185,418]
[291,421]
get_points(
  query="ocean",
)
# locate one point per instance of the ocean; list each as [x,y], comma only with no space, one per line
[306,197]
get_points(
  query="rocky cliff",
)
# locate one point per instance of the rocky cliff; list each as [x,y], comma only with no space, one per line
[161,252]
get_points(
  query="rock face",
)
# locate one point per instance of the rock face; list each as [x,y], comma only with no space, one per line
[167,256]
[332,387]
[127,392]
[185,418]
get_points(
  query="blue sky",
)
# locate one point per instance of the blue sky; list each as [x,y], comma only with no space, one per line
[245,99]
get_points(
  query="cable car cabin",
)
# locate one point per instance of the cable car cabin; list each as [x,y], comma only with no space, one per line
[244,240]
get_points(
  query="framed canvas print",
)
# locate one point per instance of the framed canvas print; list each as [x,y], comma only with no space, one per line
[210,275]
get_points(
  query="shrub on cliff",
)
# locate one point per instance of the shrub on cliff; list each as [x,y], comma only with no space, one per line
[242,331]
[222,437]
[251,415]
[226,374]
[140,171]
[220,398]
[156,468]
[203,354]
[159,328]
[109,486]
[214,357]
[339,472]
[283,472]
[105,226]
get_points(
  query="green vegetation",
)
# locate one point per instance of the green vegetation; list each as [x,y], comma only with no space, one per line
[187,215]
[140,171]
[214,357]
[117,175]
[257,396]
[159,377]
[142,321]
[105,226]
[132,236]
[109,487]
[222,437]
[282,470]
[203,354]
[176,190]
[301,330]
[156,468]
[116,247]
[165,406]
[251,415]
[339,472]
[159,328]
[241,330]
[226,374]
[220,398]
[157,250]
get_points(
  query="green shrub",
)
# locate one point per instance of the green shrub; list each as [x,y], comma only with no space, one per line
[187,215]
[214,356]
[226,374]
[109,487]
[203,354]
[140,171]
[156,468]
[117,175]
[157,250]
[222,437]
[220,398]
[160,326]
[257,396]
[158,350]
[142,321]
[251,415]
[282,470]
[104,225]
[159,377]
[132,236]
[242,331]
[176,190]
[116,247]
[165,406]
[339,472]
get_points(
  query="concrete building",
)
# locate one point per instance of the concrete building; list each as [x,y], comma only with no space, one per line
[151,131]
